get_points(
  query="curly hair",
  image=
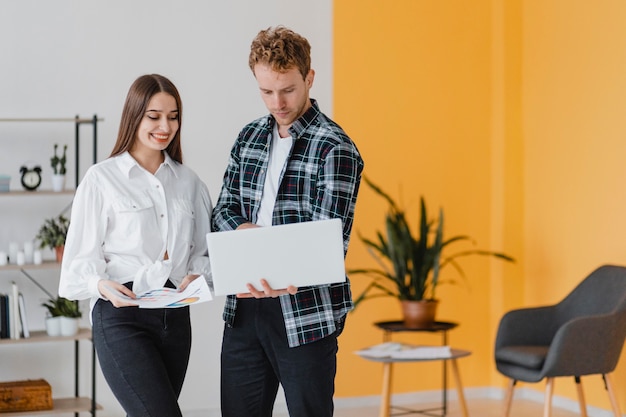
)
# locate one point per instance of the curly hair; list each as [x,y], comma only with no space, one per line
[282,49]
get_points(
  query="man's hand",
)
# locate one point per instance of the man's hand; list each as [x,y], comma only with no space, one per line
[247,226]
[267,291]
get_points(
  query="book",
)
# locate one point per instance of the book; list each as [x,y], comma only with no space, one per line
[14,315]
[23,322]
[4,316]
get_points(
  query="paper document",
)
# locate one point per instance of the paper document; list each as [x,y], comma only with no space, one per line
[196,292]
[405,351]
[300,254]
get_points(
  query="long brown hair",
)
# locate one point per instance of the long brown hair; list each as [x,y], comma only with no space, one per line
[139,95]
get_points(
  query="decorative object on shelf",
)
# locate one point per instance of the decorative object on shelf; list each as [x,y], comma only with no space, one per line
[31,177]
[58,168]
[63,316]
[38,257]
[21,258]
[14,247]
[52,235]
[29,395]
[29,249]
[53,326]
[411,264]
[4,258]
[5,181]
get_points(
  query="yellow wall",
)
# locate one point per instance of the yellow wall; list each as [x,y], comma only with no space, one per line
[508,115]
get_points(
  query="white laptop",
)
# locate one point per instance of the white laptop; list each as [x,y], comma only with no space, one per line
[300,254]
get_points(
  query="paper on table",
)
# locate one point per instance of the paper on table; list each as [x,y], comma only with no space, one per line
[424,352]
[196,292]
[405,351]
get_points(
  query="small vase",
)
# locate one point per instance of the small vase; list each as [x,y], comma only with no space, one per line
[53,326]
[58,182]
[69,326]
[58,251]
[419,314]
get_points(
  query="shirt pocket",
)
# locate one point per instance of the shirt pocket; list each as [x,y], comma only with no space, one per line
[184,220]
[132,205]
[135,218]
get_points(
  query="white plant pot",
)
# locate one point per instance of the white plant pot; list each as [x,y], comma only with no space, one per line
[69,326]
[58,182]
[53,326]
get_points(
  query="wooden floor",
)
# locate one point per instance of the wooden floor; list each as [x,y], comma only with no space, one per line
[476,408]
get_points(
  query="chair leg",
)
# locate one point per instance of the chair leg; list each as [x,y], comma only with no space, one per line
[581,397]
[608,383]
[547,405]
[509,397]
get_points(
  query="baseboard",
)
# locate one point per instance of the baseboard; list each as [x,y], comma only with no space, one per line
[423,397]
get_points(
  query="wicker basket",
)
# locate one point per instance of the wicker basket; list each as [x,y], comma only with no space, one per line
[30,395]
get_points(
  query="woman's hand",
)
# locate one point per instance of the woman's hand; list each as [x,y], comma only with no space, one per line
[186,281]
[112,291]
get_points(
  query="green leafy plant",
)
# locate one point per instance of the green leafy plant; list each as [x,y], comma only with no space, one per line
[60,306]
[58,163]
[410,264]
[53,231]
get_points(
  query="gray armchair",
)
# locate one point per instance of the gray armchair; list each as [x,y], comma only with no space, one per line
[581,335]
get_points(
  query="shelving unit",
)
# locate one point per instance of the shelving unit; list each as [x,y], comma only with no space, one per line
[23,268]
[76,404]
[78,121]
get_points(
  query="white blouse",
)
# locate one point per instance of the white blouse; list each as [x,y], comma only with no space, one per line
[123,221]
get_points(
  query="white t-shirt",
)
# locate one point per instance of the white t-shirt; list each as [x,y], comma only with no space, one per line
[279,152]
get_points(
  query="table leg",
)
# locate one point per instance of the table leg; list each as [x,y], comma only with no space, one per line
[386,336]
[444,391]
[385,400]
[459,387]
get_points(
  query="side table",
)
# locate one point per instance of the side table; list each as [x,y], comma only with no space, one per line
[390,327]
[385,404]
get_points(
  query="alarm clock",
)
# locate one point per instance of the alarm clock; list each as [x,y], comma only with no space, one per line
[31,177]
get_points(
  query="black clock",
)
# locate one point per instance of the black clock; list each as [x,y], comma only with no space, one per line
[31,177]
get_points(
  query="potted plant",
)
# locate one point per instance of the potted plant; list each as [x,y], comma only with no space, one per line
[58,168]
[410,264]
[63,315]
[52,235]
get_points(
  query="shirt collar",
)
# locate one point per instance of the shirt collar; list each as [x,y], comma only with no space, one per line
[127,163]
[299,125]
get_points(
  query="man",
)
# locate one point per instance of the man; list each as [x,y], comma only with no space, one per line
[293,165]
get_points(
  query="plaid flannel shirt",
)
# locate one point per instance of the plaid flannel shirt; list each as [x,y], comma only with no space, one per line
[320,181]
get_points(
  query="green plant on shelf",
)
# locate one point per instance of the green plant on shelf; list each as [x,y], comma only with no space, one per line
[62,307]
[58,163]
[53,231]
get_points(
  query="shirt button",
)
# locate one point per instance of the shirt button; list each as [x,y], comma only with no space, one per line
[157,186]
[162,215]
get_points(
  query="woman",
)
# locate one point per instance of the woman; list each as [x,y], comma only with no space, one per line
[138,222]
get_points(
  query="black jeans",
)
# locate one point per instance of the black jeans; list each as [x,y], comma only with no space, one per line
[144,355]
[256,358]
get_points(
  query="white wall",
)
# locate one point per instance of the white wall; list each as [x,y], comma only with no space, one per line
[64,58]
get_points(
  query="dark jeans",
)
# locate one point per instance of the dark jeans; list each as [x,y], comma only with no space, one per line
[256,358]
[143,354]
